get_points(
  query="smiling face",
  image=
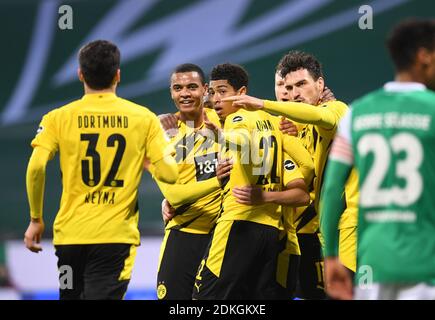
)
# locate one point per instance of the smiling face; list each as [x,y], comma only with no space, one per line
[303,88]
[188,92]
[218,90]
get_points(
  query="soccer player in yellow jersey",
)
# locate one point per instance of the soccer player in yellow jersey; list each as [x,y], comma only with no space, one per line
[304,82]
[295,194]
[240,262]
[289,257]
[102,141]
[196,197]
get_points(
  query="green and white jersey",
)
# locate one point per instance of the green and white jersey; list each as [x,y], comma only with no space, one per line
[392,134]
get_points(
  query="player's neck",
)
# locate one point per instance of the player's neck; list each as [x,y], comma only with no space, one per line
[408,76]
[196,117]
[89,90]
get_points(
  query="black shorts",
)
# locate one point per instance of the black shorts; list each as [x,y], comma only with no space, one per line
[181,255]
[94,271]
[240,263]
[310,284]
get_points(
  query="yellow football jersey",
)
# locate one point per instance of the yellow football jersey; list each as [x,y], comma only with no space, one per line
[197,159]
[258,162]
[318,140]
[102,140]
[349,217]
[290,173]
[306,218]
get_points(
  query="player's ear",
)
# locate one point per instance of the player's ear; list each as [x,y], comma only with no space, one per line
[80,75]
[242,90]
[423,56]
[118,76]
[321,84]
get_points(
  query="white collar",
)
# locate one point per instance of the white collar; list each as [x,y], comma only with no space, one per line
[394,86]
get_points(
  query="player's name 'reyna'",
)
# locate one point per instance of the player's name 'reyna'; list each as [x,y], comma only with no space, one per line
[100,197]
[92,121]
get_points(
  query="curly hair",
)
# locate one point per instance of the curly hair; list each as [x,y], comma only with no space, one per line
[407,37]
[235,74]
[296,60]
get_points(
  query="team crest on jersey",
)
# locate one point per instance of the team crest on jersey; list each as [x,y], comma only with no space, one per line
[237,119]
[161,291]
[289,165]
[40,128]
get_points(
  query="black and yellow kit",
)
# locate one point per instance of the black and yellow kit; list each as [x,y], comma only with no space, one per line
[289,256]
[241,261]
[102,140]
[196,197]
[317,128]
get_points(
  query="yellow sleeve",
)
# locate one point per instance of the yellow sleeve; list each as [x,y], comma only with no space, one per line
[326,115]
[46,135]
[166,170]
[157,147]
[294,148]
[237,130]
[291,170]
[212,116]
[179,194]
[35,180]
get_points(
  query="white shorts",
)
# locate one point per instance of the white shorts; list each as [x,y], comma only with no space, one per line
[377,291]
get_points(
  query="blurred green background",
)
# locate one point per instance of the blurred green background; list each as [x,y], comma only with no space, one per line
[38,72]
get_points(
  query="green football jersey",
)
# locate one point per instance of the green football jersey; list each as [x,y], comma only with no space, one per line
[392,132]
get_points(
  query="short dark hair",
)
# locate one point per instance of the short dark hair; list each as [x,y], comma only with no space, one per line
[235,74]
[99,61]
[190,67]
[407,37]
[295,60]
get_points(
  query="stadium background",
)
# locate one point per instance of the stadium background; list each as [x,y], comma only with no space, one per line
[39,65]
